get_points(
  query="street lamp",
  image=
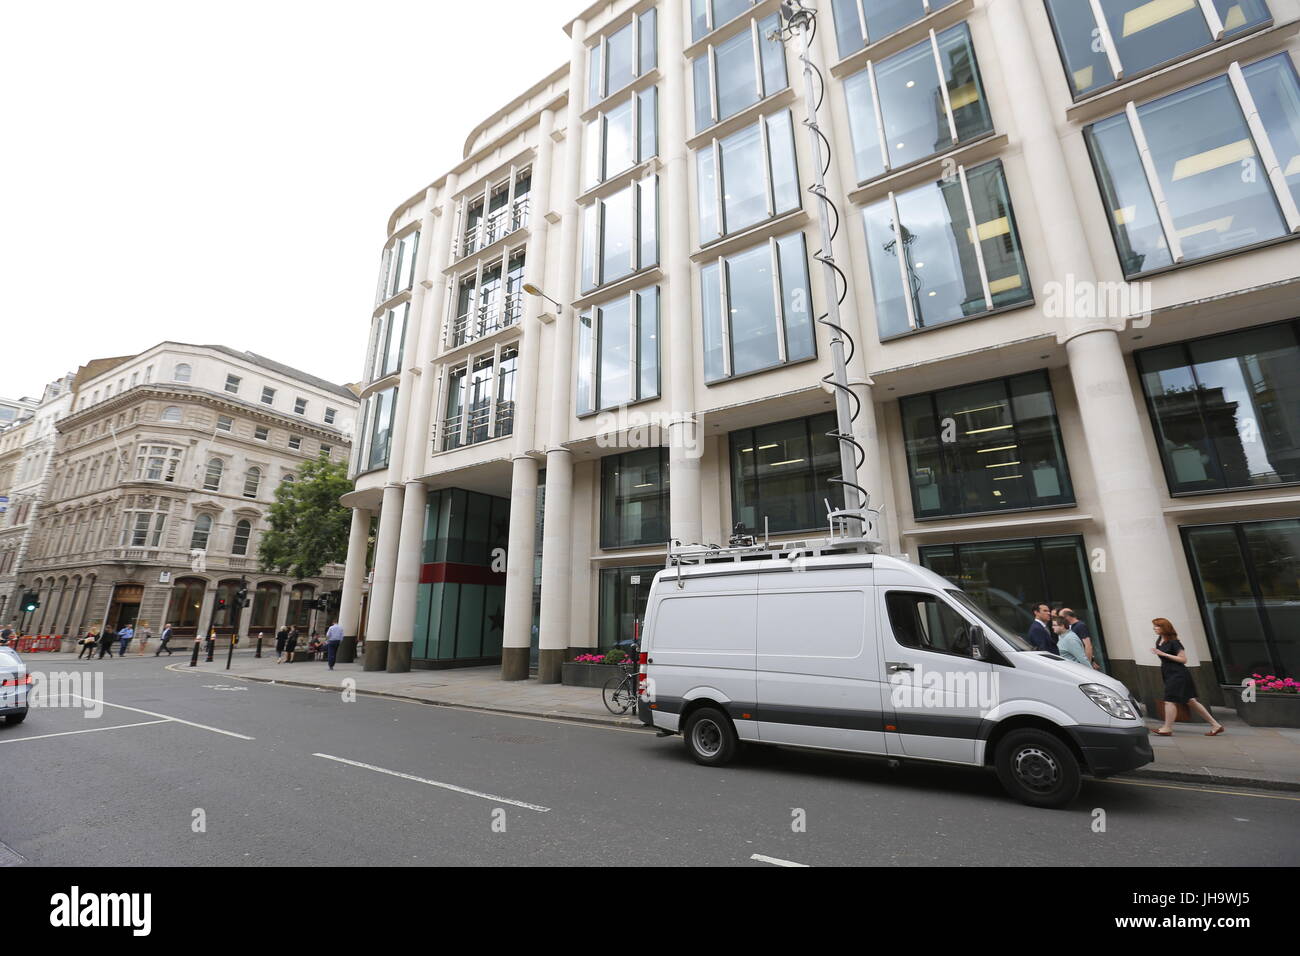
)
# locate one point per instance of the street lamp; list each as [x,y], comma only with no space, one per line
[533,290]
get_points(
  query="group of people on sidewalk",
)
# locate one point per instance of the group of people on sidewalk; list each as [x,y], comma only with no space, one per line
[102,640]
[286,643]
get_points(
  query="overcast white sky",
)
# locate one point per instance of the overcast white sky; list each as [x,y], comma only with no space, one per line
[224,173]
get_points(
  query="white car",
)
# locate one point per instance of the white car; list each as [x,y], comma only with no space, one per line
[870,654]
[14,684]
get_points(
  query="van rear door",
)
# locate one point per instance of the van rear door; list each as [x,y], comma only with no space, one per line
[819,678]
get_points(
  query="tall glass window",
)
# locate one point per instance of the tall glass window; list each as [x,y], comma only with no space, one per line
[212,478]
[991,446]
[1008,578]
[634,498]
[1245,577]
[738,72]
[496,212]
[780,474]
[487,301]
[397,273]
[959,255]
[480,398]
[1186,177]
[922,101]
[757,309]
[1226,409]
[623,136]
[624,596]
[622,56]
[708,15]
[389,339]
[620,234]
[860,22]
[618,352]
[202,531]
[1133,36]
[747,177]
[380,435]
[243,530]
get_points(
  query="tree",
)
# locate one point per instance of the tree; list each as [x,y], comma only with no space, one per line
[309,528]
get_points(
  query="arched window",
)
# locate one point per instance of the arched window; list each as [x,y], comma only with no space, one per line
[212,481]
[243,530]
[252,480]
[223,616]
[171,413]
[186,602]
[300,616]
[266,605]
[183,373]
[202,531]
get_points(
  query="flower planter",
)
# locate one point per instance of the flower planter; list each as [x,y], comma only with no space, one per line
[1267,710]
[588,675]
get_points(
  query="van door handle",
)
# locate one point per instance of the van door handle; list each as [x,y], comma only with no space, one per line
[896,666]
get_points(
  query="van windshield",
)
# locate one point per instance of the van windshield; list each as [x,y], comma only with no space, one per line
[991,623]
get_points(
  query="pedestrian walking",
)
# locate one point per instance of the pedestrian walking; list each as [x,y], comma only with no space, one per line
[106,637]
[166,636]
[1038,634]
[1068,644]
[281,638]
[1179,687]
[123,639]
[290,643]
[333,637]
[7,634]
[88,645]
[145,635]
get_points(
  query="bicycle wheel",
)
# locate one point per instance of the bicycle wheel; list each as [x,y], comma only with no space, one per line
[619,695]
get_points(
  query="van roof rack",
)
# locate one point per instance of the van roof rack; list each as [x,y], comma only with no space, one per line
[844,537]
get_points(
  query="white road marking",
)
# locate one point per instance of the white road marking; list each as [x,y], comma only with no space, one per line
[69,733]
[776,862]
[436,783]
[188,723]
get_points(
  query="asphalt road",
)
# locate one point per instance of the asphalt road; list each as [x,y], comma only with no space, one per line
[283,775]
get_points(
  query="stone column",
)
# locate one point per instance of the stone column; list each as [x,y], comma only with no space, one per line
[518,627]
[1145,568]
[385,578]
[684,434]
[557,542]
[354,573]
[426,305]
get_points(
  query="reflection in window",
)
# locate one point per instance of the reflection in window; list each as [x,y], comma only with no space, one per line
[950,268]
[202,531]
[708,15]
[634,498]
[243,529]
[182,373]
[496,212]
[480,399]
[485,303]
[738,73]
[624,595]
[618,352]
[1226,409]
[780,474]
[747,177]
[252,482]
[1200,147]
[902,110]
[1137,35]
[859,22]
[620,57]
[212,479]
[379,434]
[620,234]
[397,272]
[622,137]
[991,446]
[757,309]
[389,339]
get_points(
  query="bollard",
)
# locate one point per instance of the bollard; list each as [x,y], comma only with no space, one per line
[194,658]
[212,646]
[230,653]
[258,652]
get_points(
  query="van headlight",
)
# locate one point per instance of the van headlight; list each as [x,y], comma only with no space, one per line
[1109,701]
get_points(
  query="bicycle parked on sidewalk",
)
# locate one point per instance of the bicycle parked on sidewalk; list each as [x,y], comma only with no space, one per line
[620,693]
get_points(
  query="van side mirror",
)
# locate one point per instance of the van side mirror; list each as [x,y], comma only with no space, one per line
[979,645]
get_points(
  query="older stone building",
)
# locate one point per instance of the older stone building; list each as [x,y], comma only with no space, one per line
[166,466]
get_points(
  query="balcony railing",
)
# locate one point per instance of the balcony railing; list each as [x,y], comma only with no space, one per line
[479,425]
[481,321]
[498,224]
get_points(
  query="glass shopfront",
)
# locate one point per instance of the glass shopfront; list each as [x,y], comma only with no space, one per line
[624,593]
[1247,580]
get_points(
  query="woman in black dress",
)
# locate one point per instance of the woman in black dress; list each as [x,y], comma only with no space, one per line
[281,637]
[1179,688]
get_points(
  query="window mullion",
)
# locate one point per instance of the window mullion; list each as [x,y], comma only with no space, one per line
[1153,182]
[724,280]
[862,23]
[1212,19]
[598,266]
[718,191]
[597,343]
[713,84]
[1107,41]
[902,261]
[943,87]
[510,201]
[493,384]
[975,237]
[758,58]
[634,345]
[1276,175]
[769,189]
[778,302]
[880,115]
[604,67]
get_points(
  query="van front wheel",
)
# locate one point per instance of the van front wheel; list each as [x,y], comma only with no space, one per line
[1037,768]
[710,738]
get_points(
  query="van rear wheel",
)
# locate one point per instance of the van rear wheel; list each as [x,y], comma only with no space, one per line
[1037,768]
[710,737]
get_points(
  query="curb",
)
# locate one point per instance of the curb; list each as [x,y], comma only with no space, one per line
[623,724]
[1192,776]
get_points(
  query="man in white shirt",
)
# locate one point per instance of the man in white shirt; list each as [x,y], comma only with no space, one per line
[333,636]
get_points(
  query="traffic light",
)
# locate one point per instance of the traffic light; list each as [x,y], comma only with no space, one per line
[31,601]
[241,596]
[221,604]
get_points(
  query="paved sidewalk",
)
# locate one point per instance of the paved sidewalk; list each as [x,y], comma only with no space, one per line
[1246,756]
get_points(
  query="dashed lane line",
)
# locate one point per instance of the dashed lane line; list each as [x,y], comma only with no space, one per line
[437,783]
[775,861]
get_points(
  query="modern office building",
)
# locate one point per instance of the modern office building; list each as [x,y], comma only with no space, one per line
[1073,288]
[158,491]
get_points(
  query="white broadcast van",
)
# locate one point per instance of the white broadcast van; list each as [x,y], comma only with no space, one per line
[839,648]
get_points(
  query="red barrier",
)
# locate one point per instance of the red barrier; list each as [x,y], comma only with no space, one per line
[45,642]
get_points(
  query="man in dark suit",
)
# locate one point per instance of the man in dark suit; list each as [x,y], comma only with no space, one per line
[1040,634]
